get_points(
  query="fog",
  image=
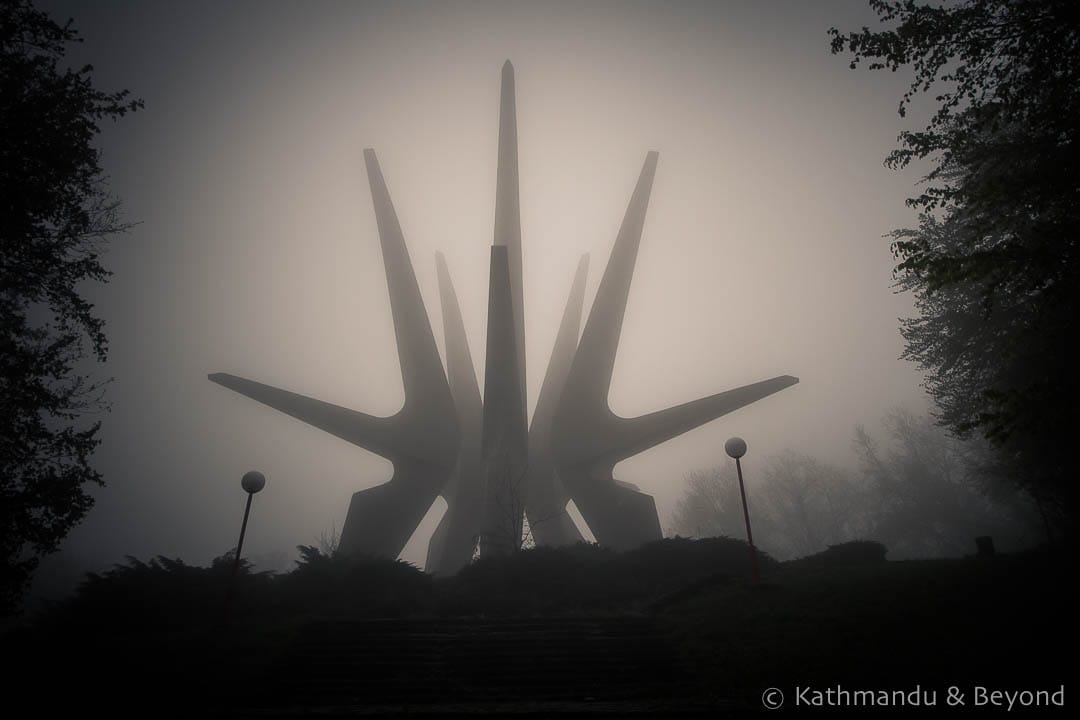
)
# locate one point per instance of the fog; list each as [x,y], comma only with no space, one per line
[256,251]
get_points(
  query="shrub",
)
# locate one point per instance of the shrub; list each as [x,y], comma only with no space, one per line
[855,552]
[352,586]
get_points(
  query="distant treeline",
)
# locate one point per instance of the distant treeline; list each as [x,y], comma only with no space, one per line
[922,493]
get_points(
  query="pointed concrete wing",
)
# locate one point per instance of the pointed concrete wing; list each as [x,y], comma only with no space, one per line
[546,499]
[562,356]
[611,438]
[422,440]
[508,213]
[461,372]
[380,435]
[451,546]
[421,369]
[594,362]
[505,434]
[588,439]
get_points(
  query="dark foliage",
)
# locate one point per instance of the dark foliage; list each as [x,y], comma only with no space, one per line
[167,596]
[146,628]
[855,552]
[855,555]
[56,216]
[931,623]
[540,580]
[129,633]
[994,264]
[160,596]
[590,578]
[666,565]
[335,586]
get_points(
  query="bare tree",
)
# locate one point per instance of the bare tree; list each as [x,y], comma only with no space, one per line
[507,530]
[811,504]
[710,506]
[505,511]
[932,490]
[923,493]
[328,542]
[797,505]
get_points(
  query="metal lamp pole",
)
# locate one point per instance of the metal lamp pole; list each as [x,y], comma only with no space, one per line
[736,448]
[252,482]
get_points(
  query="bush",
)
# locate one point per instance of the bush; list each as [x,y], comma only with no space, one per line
[590,578]
[536,581]
[352,586]
[162,595]
[855,552]
[666,565]
[166,596]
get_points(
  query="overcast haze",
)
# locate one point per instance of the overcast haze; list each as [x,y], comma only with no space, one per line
[257,252]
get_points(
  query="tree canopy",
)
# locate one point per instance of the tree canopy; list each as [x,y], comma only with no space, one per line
[993,263]
[56,217]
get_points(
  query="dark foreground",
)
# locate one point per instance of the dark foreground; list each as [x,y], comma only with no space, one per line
[585,634]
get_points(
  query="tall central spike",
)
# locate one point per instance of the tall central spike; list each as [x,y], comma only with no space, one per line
[508,213]
[505,437]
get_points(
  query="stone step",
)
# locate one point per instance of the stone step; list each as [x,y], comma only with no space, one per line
[439,660]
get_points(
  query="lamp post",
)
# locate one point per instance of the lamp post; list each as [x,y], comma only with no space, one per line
[736,448]
[252,482]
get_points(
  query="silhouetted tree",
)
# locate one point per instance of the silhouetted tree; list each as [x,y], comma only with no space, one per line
[797,503]
[920,491]
[56,216]
[350,585]
[809,504]
[710,505]
[994,264]
[928,494]
[504,516]
[329,541]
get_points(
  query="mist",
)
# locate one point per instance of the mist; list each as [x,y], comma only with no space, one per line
[256,251]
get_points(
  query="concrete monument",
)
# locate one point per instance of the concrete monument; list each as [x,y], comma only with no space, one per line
[493,467]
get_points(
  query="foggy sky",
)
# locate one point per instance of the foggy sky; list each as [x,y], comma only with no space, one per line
[257,254]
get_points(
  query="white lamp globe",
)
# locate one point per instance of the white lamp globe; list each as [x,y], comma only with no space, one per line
[735,447]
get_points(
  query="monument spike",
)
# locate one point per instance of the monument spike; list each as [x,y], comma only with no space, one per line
[588,439]
[546,499]
[562,353]
[461,372]
[421,369]
[379,435]
[643,432]
[505,435]
[422,440]
[508,213]
[590,374]
[454,539]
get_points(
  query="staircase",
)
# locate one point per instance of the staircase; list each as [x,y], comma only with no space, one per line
[503,666]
